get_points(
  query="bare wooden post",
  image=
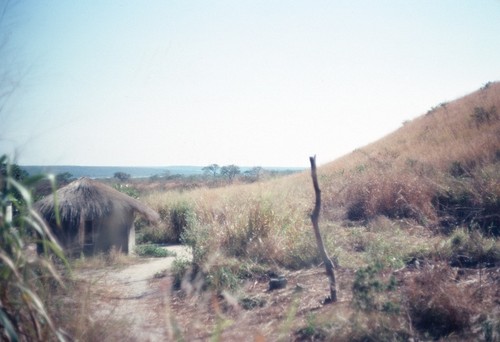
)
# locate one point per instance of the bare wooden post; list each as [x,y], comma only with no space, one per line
[319,240]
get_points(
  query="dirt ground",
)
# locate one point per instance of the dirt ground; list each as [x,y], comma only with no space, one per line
[131,296]
[257,314]
[141,297]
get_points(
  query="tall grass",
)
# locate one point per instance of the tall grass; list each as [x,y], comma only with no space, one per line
[260,222]
[27,278]
[432,169]
[40,300]
[384,205]
[440,170]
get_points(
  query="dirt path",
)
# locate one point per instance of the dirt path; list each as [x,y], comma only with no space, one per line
[136,305]
[127,296]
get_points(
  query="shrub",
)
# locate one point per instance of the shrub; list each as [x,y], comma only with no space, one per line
[198,237]
[312,331]
[222,277]
[483,116]
[152,235]
[457,169]
[250,227]
[223,273]
[472,201]
[471,249]
[250,303]
[249,237]
[218,273]
[180,270]
[177,218]
[486,85]
[153,251]
[127,189]
[438,307]
[394,196]
[371,291]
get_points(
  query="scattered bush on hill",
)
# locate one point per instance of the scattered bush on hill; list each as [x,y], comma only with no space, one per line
[437,306]
[395,196]
[372,291]
[440,170]
[470,198]
[176,217]
[470,249]
[483,116]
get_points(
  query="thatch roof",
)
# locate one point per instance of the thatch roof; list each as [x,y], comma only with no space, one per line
[91,200]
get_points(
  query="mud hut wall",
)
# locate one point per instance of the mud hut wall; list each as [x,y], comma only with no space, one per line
[131,238]
[97,235]
[113,231]
[81,229]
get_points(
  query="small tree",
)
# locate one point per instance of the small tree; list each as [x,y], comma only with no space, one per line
[15,171]
[211,169]
[255,173]
[122,176]
[64,178]
[230,171]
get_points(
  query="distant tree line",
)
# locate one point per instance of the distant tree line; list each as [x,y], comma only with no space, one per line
[40,187]
[122,176]
[213,173]
[233,172]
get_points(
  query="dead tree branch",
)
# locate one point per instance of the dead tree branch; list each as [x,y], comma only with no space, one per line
[319,240]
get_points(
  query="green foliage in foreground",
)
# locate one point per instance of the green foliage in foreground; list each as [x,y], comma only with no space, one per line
[371,291]
[153,251]
[25,275]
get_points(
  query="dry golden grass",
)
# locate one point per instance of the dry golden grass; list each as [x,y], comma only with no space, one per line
[384,207]
[411,174]
[405,173]
[384,204]
[444,135]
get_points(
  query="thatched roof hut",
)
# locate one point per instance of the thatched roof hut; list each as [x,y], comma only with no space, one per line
[94,217]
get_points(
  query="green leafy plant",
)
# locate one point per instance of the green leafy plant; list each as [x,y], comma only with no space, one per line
[371,291]
[25,275]
[153,251]
[312,331]
[151,235]
[471,249]
[127,190]
[177,218]
[250,303]
[180,269]
[182,217]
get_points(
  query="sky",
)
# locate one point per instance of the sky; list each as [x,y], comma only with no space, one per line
[251,83]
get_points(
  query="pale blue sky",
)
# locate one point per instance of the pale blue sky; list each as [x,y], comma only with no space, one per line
[250,83]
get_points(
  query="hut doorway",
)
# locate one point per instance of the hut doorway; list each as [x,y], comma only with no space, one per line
[87,230]
[88,235]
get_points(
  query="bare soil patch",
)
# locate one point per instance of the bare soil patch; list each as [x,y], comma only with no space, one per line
[141,296]
[255,313]
[131,295]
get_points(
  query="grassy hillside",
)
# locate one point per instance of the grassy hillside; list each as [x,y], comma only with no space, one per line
[441,169]
[412,222]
